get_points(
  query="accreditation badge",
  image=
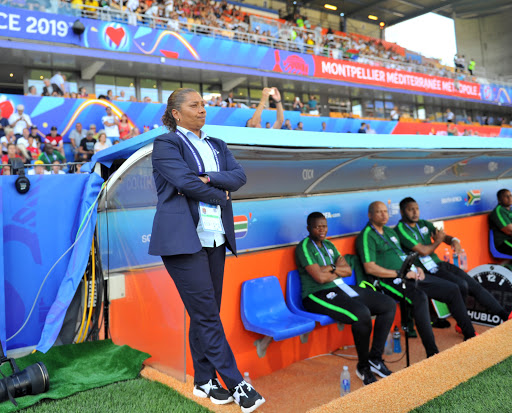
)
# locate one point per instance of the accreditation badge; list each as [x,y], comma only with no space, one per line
[429,264]
[210,216]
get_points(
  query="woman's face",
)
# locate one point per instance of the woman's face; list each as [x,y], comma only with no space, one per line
[102,138]
[124,119]
[192,114]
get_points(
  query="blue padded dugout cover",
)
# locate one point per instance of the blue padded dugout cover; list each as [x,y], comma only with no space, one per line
[38,227]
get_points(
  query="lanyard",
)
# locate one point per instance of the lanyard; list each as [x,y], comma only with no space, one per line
[320,252]
[414,232]
[396,247]
[194,151]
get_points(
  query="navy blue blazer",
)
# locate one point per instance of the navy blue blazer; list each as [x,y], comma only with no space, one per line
[175,170]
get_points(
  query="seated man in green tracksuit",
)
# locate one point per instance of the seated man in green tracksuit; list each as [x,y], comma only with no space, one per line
[322,268]
[500,222]
[382,256]
[421,236]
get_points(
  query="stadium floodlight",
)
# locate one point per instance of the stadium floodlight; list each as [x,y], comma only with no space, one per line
[342,14]
[382,24]
[330,7]
[372,17]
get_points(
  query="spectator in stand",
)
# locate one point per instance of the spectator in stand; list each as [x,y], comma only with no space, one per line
[124,127]
[287,125]
[58,84]
[268,125]
[110,95]
[47,88]
[110,123]
[230,102]
[103,143]
[266,93]
[50,154]
[34,132]
[19,120]
[83,93]
[134,132]
[76,136]
[3,124]
[122,96]
[369,129]
[11,153]
[297,104]
[300,126]
[146,99]
[132,99]
[55,139]
[324,127]
[92,128]
[32,91]
[313,106]
[362,129]
[6,170]
[56,168]
[450,117]
[86,149]
[33,147]
[471,66]
[7,139]
[38,169]
[451,130]
[22,145]
[395,113]
[91,8]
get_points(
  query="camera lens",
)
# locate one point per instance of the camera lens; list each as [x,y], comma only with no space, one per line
[33,380]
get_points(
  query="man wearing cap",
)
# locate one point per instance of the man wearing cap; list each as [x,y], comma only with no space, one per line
[55,139]
[111,125]
[86,148]
[49,155]
[38,169]
[19,120]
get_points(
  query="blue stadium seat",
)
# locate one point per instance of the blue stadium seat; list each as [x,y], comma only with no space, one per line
[494,252]
[264,311]
[294,300]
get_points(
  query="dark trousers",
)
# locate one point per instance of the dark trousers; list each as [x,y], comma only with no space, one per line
[468,285]
[416,298]
[358,312]
[198,278]
[448,292]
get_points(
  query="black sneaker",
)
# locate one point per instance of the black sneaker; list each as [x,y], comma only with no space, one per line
[246,397]
[441,323]
[366,375]
[378,367]
[213,390]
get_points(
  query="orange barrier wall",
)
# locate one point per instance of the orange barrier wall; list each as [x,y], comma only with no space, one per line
[144,319]
[413,128]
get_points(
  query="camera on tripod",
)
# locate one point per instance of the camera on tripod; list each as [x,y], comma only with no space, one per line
[32,380]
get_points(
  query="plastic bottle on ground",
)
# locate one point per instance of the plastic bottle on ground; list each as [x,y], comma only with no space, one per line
[456,259]
[344,381]
[397,346]
[247,378]
[463,260]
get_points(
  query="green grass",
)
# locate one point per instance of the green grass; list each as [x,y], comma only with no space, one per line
[131,396]
[488,392]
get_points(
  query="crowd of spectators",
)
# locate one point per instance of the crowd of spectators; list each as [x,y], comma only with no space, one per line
[222,19]
[20,138]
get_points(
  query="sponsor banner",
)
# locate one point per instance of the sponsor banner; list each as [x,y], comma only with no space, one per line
[171,45]
[361,73]
[496,93]
[413,128]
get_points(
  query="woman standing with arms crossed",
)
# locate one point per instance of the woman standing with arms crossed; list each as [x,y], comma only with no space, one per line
[192,228]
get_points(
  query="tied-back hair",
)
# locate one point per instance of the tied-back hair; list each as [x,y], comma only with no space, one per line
[174,102]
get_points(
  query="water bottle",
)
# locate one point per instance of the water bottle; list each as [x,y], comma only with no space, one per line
[446,256]
[455,259]
[344,381]
[397,347]
[247,378]
[463,260]
[388,349]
